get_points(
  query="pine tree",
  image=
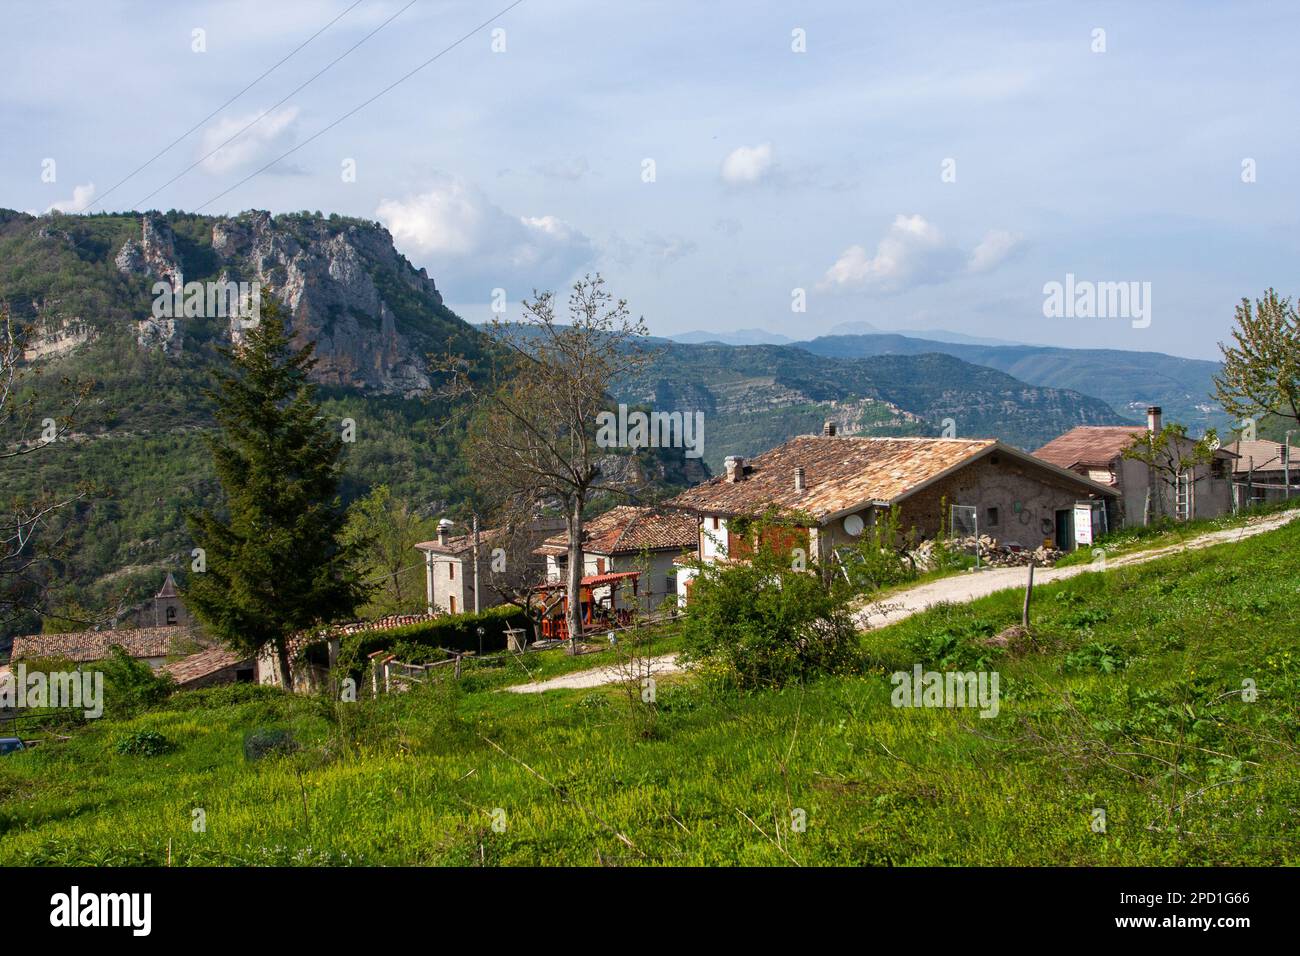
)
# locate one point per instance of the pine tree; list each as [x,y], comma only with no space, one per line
[275,558]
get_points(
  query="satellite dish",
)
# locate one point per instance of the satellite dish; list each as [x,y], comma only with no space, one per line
[853,525]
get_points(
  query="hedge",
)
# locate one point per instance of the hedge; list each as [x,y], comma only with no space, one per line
[453,632]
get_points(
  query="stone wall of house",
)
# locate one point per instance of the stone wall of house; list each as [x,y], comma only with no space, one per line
[1026,499]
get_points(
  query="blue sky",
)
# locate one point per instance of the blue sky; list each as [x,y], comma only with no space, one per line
[774,170]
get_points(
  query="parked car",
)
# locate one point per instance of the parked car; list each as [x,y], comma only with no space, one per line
[9,745]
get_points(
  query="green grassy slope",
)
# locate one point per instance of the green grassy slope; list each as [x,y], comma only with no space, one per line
[1132,705]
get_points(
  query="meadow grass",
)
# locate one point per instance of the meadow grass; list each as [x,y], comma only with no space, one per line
[1128,698]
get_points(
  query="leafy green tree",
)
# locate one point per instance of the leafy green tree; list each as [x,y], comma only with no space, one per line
[383,531]
[276,562]
[1261,372]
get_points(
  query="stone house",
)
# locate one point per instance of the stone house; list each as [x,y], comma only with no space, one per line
[846,485]
[1097,452]
[153,645]
[1260,470]
[449,566]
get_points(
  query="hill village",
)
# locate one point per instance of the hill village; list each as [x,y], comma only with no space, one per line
[1004,504]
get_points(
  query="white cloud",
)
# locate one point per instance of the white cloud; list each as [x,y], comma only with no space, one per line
[472,246]
[81,195]
[915,252]
[747,164]
[911,253]
[995,248]
[263,141]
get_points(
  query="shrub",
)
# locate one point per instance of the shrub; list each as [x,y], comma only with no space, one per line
[880,558]
[768,621]
[144,743]
[266,742]
[131,685]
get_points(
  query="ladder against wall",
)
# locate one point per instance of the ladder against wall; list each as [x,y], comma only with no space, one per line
[1183,496]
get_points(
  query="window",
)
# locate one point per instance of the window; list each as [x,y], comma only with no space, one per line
[1218,468]
[715,524]
[451,571]
[991,517]
[671,587]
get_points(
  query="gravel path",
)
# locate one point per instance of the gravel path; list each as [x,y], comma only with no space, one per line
[595,677]
[968,587]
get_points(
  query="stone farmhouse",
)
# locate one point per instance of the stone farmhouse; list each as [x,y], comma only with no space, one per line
[846,484]
[1097,452]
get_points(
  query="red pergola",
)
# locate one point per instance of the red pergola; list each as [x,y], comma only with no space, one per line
[595,616]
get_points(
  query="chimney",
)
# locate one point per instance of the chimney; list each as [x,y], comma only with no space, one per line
[798,479]
[1153,419]
[735,467]
[444,525]
[828,429]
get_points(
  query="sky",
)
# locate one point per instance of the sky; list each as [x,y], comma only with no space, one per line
[784,166]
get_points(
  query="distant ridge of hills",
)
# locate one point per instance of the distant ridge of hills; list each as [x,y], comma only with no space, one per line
[1127,381]
[764,337]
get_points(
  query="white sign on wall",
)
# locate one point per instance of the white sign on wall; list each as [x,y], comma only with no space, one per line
[1083,523]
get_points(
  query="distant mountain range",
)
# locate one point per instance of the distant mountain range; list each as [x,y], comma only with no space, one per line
[764,337]
[755,397]
[1127,381]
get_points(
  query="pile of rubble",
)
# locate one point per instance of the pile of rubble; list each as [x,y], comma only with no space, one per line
[992,553]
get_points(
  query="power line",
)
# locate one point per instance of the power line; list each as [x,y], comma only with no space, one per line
[184,135]
[267,112]
[361,106]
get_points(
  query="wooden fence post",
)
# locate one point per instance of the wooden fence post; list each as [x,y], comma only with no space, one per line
[1029,593]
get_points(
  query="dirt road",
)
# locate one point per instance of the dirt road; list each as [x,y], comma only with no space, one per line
[967,587]
[595,677]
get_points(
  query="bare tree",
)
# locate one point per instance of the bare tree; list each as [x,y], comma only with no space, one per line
[29,426]
[533,435]
[1261,372]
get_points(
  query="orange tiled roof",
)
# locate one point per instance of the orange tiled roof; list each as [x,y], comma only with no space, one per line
[94,645]
[203,664]
[840,473]
[1094,445]
[629,529]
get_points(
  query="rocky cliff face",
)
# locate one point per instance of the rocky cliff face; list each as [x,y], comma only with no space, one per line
[330,276]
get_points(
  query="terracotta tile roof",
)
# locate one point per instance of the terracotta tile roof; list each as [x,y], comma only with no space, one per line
[460,543]
[840,473]
[94,645]
[1267,456]
[1094,445]
[204,664]
[629,529]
